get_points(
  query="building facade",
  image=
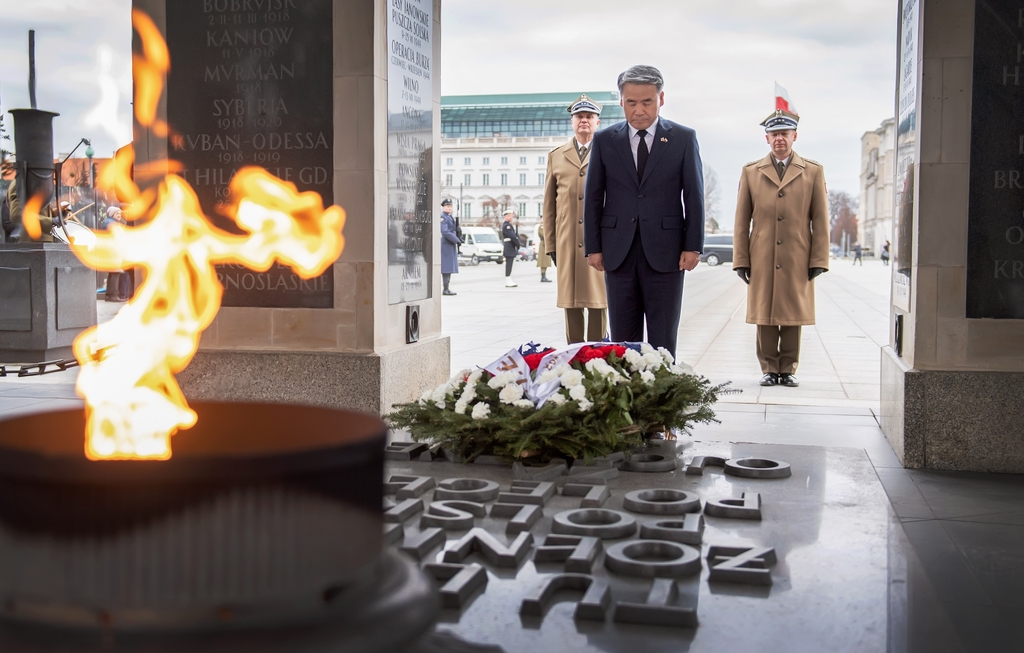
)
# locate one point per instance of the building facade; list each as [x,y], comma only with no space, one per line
[494,150]
[876,186]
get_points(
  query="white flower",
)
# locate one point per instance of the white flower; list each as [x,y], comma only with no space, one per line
[425,397]
[632,357]
[469,394]
[474,376]
[646,348]
[647,377]
[460,406]
[440,404]
[600,366]
[548,375]
[523,403]
[585,404]
[572,378]
[653,359]
[510,393]
[679,370]
[481,411]
[578,392]
[439,393]
[667,357]
[502,379]
[457,379]
[557,399]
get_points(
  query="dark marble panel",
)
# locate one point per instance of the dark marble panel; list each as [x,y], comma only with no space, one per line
[962,494]
[75,297]
[16,299]
[906,499]
[944,566]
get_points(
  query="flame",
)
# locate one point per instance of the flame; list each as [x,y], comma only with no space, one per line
[30,217]
[133,403]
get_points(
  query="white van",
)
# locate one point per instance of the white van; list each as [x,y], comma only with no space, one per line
[480,244]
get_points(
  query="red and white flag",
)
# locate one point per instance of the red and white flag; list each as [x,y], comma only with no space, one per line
[782,100]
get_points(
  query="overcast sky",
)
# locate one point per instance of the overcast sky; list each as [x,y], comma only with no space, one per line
[720,59]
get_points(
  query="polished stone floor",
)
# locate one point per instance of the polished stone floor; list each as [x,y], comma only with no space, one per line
[872,557]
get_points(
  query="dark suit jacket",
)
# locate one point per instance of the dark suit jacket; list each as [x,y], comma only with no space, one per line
[668,203]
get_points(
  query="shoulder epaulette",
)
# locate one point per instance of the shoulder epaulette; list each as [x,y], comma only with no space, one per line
[813,161]
[752,163]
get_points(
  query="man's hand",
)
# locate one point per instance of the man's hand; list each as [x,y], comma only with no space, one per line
[688,260]
[553,261]
[814,272]
[596,261]
[743,273]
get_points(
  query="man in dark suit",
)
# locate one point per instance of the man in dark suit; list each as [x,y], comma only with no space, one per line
[644,212]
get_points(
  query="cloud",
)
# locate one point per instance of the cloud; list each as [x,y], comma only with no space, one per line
[720,61]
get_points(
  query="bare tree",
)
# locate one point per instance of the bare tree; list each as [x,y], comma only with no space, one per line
[842,210]
[712,198]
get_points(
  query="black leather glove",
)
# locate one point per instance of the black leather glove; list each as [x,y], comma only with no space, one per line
[553,261]
[813,272]
[743,273]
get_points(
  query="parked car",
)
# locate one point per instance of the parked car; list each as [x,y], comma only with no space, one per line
[528,252]
[717,249]
[480,244]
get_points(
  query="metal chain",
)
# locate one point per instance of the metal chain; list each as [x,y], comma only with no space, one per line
[38,369]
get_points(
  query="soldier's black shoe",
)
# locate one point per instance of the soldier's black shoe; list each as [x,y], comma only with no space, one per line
[788,380]
[448,292]
[771,378]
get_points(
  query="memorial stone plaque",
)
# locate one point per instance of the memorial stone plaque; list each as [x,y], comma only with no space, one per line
[995,232]
[906,153]
[410,149]
[251,84]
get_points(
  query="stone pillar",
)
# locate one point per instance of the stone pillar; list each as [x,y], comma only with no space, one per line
[301,88]
[953,377]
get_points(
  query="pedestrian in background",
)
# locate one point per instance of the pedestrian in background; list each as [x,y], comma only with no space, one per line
[780,244]
[543,260]
[857,251]
[581,291]
[450,242]
[885,253]
[118,283]
[644,212]
[511,245]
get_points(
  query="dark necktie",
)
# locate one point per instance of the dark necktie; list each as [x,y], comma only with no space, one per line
[582,152]
[781,167]
[641,155]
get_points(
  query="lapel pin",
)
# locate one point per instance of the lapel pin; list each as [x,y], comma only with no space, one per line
[664,140]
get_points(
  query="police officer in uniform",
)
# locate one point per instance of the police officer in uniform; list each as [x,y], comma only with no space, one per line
[581,290]
[781,244]
[450,242]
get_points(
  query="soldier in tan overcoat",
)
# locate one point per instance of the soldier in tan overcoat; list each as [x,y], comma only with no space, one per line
[780,244]
[580,287]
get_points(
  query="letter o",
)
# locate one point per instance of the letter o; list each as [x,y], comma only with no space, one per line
[1015,235]
[661,501]
[653,559]
[594,522]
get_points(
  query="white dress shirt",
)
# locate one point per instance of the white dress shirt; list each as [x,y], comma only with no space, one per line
[634,140]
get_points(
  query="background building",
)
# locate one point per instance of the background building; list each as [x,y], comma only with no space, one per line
[876,186]
[494,150]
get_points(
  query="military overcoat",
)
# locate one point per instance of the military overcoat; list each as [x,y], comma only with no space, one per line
[781,231]
[543,259]
[579,285]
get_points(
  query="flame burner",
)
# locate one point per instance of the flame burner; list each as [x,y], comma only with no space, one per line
[261,533]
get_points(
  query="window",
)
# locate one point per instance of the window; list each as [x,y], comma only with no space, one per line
[504,179]
[522,178]
[540,178]
[467,161]
[522,208]
[466,180]
[504,160]
[540,159]
[448,181]
[467,210]
[487,160]
[540,209]
[522,160]
[487,179]
[449,161]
